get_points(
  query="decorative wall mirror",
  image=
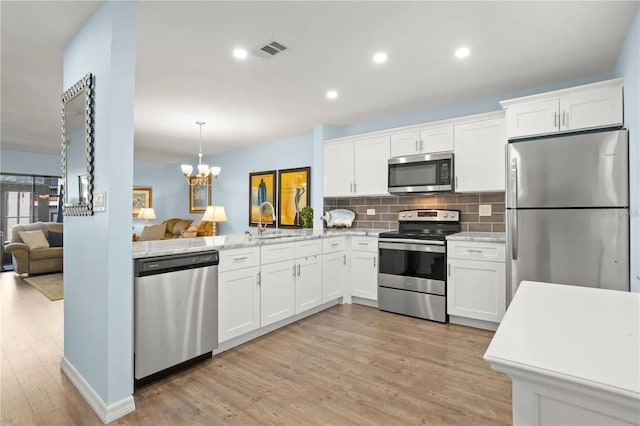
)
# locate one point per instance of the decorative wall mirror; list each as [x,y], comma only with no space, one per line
[77,147]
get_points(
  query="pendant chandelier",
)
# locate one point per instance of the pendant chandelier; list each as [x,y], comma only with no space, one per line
[206,175]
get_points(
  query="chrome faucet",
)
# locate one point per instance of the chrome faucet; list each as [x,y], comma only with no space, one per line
[262,227]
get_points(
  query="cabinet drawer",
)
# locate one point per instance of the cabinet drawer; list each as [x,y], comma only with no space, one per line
[272,253]
[364,244]
[474,250]
[308,247]
[330,245]
[233,259]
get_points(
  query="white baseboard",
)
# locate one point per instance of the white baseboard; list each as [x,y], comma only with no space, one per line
[106,413]
[470,322]
[365,302]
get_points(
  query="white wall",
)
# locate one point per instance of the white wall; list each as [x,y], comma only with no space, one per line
[97,263]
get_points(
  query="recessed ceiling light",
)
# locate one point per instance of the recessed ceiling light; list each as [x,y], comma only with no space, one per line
[332,94]
[380,58]
[240,53]
[462,52]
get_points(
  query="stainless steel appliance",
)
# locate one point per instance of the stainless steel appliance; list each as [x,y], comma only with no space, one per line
[176,312]
[567,211]
[413,262]
[421,173]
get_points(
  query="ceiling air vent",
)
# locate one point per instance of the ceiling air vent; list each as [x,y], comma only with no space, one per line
[270,50]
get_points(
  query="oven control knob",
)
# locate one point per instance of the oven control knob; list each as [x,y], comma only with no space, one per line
[403,215]
[446,214]
[410,214]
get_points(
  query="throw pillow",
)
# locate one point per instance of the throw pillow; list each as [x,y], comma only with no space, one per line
[55,239]
[34,239]
[154,232]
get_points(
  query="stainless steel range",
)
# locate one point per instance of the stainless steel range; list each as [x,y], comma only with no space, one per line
[413,264]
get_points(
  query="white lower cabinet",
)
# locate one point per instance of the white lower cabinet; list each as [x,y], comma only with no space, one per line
[334,275]
[277,291]
[239,302]
[476,289]
[308,283]
[364,274]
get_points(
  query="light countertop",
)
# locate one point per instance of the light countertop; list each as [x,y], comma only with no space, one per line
[143,249]
[492,237]
[587,336]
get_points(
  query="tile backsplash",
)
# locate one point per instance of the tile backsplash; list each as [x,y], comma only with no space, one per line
[387,208]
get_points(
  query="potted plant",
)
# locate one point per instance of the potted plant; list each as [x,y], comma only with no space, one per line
[307,217]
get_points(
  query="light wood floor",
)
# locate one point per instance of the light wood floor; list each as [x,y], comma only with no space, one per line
[348,365]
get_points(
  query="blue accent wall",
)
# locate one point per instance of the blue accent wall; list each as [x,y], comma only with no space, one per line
[98,305]
[28,163]
[628,66]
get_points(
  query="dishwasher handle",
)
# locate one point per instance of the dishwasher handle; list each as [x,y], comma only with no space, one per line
[171,263]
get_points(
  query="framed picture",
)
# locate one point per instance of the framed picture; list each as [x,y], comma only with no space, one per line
[293,195]
[262,187]
[199,194]
[142,198]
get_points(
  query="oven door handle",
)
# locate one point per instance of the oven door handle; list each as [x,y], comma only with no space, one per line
[412,247]
[410,241]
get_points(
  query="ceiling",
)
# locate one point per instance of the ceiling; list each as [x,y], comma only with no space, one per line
[185,71]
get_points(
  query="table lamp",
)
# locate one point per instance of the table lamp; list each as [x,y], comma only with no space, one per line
[146,214]
[214,214]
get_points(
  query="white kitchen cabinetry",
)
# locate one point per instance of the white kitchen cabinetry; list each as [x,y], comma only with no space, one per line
[591,106]
[334,268]
[277,295]
[356,167]
[364,267]
[308,283]
[308,280]
[239,302]
[476,281]
[479,156]
[238,292]
[423,141]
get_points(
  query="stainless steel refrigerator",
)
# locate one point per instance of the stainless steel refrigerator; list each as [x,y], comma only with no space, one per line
[567,210]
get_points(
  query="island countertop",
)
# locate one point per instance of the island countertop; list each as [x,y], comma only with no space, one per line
[587,336]
[142,249]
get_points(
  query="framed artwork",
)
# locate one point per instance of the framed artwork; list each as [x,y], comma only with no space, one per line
[142,198]
[199,194]
[293,195]
[262,187]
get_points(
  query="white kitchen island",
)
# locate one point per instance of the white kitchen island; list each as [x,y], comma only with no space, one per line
[573,354]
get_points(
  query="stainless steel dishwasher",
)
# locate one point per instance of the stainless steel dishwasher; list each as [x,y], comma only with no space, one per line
[176,312]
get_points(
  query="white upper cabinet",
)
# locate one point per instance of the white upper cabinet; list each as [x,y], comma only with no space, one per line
[591,106]
[371,163]
[479,156]
[338,169]
[356,168]
[423,141]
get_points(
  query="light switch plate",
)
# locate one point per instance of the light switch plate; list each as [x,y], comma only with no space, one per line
[371,212]
[484,210]
[99,201]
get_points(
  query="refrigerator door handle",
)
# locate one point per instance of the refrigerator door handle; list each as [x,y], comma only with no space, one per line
[514,234]
[514,183]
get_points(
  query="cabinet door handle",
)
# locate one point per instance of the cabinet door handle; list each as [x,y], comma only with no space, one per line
[335,244]
[455,185]
[258,278]
[298,269]
[374,261]
[474,251]
[555,119]
[351,187]
[563,119]
[421,145]
[417,149]
[354,188]
[344,260]
[293,273]
[449,269]
[238,259]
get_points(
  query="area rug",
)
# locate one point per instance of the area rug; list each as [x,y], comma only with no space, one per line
[49,285]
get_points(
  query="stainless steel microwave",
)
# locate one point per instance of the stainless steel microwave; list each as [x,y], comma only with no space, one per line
[422,173]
